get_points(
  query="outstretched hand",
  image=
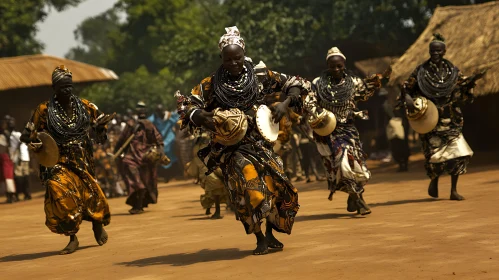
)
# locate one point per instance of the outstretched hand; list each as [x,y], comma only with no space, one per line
[204,118]
[279,111]
[35,147]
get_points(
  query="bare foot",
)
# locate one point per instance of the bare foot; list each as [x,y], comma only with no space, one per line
[433,189]
[100,233]
[262,248]
[351,205]
[272,242]
[363,208]
[134,211]
[216,216]
[71,247]
[455,196]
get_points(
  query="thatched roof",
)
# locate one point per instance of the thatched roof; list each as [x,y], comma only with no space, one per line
[36,70]
[375,65]
[472,39]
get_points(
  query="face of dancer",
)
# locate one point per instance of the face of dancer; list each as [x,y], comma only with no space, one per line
[160,111]
[63,88]
[233,59]
[141,112]
[336,66]
[437,52]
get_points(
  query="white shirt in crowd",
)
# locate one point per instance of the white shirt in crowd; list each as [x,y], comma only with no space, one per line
[15,142]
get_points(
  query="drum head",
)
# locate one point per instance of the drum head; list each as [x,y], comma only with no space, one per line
[48,156]
[265,124]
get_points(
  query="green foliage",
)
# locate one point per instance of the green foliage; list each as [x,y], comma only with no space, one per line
[133,87]
[18,20]
[95,36]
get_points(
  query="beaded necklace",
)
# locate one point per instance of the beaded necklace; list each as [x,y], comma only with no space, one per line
[334,94]
[435,82]
[63,128]
[241,93]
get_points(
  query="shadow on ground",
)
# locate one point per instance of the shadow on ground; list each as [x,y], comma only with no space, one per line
[206,255]
[34,256]
[354,215]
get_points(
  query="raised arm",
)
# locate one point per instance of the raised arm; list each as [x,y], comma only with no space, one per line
[366,88]
[95,116]
[36,123]
[192,109]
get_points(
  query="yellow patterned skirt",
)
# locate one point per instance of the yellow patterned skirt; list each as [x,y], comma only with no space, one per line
[259,189]
[70,199]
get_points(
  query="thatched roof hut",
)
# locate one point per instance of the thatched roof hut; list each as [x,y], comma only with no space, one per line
[375,65]
[30,71]
[26,81]
[472,39]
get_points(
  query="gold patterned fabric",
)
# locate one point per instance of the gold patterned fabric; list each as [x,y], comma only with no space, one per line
[72,192]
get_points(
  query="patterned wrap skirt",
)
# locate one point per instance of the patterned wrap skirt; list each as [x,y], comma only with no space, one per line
[344,160]
[258,187]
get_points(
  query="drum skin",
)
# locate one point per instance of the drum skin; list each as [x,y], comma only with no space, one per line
[426,119]
[266,125]
[48,155]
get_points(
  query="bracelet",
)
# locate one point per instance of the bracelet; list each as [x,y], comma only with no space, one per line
[192,113]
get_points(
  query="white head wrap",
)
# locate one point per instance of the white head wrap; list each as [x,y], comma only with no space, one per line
[232,37]
[334,51]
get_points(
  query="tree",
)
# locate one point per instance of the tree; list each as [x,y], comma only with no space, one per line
[18,20]
[95,35]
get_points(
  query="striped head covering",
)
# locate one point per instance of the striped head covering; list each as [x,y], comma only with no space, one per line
[61,73]
[232,37]
[335,51]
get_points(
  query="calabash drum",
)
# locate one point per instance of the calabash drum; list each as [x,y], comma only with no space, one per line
[425,119]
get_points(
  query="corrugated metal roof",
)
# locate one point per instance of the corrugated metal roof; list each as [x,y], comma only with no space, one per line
[36,70]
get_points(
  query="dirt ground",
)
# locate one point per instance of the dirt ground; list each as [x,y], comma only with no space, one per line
[408,236]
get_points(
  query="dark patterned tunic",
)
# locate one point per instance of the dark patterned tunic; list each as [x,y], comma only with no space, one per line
[341,151]
[253,173]
[444,147]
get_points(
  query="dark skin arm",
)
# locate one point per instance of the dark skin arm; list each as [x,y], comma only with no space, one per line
[281,109]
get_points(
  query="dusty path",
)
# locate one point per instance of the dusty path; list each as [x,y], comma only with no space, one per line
[408,236]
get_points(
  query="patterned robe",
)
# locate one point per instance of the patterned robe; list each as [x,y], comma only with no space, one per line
[137,173]
[341,151]
[253,173]
[444,147]
[72,192]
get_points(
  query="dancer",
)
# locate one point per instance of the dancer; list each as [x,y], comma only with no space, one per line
[72,193]
[439,81]
[139,138]
[341,151]
[226,102]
